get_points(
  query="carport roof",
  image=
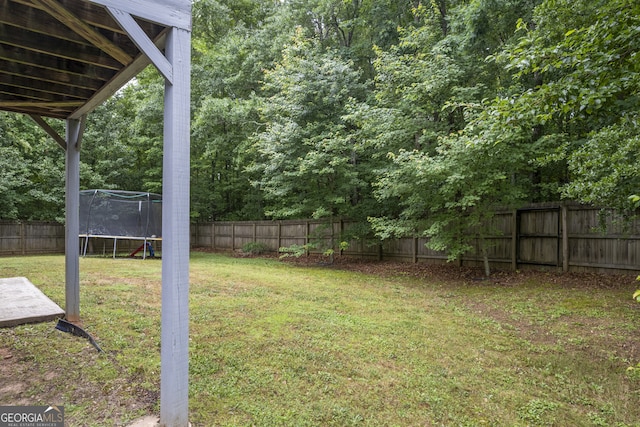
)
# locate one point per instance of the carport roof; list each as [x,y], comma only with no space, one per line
[62,58]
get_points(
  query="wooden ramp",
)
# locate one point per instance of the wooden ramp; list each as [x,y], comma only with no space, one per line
[21,302]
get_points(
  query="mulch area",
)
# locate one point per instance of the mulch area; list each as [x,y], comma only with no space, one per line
[451,272]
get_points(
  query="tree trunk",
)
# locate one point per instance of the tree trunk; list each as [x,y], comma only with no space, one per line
[485,257]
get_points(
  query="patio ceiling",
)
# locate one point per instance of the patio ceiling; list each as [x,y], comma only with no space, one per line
[62,58]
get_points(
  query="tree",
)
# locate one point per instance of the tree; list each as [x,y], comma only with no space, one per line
[220,189]
[107,159]
[452,195]
[122,144]
[306,159]
[579,79]
[236,42]
[31,171]
[353,27]
[447,176]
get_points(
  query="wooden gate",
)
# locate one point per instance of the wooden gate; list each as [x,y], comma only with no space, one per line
[539,236]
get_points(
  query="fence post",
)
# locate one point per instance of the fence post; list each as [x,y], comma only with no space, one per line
[254,233]
[306,236]
[23,239]
[213,234]
[514,239]
[233,236]
[565,238]
[415,249]
[279,236]
[341,237]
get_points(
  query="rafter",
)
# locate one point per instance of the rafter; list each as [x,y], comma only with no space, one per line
[59,12]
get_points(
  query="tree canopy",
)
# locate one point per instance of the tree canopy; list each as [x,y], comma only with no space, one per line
[406,116]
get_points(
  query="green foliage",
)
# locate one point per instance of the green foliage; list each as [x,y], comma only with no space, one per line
[299,250]
[31,171]
[255,248]
[296,250]
[448,174]
[122,146]
[306,160]
[538,412]
[450,196]
[634,371]
[220,144]
[579,80]
[342,246]
[605,166]
[422,116]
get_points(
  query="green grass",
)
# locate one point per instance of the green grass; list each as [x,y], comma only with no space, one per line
[274,344]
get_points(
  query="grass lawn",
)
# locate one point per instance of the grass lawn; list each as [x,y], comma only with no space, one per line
[278,344]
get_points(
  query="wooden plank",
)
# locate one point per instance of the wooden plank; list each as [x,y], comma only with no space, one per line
[143,42]
[279,235]
[565,239]
[91,14]
[72,221]
[116,83]
[39,104]
[174,351]
[51,65]
[172,13]
[36,88]
[37,20]
[213,235]
[514,240]
[50,131]
[62,49]
[59,12]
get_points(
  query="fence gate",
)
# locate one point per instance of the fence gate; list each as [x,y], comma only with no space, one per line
[539,236]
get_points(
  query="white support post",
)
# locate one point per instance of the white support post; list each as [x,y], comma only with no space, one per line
[72,223]
[174,352]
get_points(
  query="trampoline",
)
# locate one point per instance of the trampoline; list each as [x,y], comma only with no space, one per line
[121,215]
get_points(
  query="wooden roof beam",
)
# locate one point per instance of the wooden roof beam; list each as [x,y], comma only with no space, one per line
[23,39]
[171,13]
[64,69]
[144,43]
[46,89]
[78,26]
[50,131]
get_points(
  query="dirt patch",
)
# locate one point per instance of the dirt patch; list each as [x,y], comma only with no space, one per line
[464,274]
[12,382]
[26,381]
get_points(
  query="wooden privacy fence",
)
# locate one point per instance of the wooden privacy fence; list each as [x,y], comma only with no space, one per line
[561,236]
[556,236]
[32,238]
[25,238]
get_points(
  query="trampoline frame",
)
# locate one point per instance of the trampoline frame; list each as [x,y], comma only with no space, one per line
[123,194]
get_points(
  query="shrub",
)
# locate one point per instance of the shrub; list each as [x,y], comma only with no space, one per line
[296,250]
[255,248]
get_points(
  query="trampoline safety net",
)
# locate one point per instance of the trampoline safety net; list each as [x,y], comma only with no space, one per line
[115,213]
